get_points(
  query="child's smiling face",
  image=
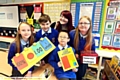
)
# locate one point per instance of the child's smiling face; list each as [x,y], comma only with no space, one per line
[63,38]
[45,26]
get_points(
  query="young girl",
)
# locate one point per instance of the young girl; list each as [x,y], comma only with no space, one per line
[24,38]
[54,60]
[82,40]
[65,22]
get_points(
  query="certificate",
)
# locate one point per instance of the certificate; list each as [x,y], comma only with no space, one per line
[109,26]
[117,28]
[106,40]
[111,13]
[67,58]
[116,41]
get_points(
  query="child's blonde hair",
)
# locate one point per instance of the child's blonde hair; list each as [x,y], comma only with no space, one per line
[18,36]
[88,38]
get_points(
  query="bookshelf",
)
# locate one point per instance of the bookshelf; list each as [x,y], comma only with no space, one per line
[103,54]
[109,72]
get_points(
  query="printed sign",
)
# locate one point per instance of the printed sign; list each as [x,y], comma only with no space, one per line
[89,60]
[30,56]
[89,57]
[106,40]
[116,41]
[111,13]
[67,58]
[117,29]
[109,26]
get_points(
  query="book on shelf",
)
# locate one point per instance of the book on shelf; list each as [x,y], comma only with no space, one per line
[114,62]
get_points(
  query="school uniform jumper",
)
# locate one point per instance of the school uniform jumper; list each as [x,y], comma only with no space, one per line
[51,34]
[82,67]
[54,59]
[11,54]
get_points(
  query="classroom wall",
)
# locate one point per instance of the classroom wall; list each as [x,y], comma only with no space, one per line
[27,1]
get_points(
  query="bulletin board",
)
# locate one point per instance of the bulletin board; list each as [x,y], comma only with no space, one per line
[55,8]
[30,13]
[110,39]
[8,15]
[92,9]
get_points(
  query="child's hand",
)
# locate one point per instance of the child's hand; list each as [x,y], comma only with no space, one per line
[29,74]
[42,63]
[74,69]
[59,64]
[77,56]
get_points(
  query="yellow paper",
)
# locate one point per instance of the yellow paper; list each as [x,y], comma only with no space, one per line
[43,47]
[68,59]
[30,21]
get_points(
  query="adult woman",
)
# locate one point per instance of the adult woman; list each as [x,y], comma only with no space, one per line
[65,22]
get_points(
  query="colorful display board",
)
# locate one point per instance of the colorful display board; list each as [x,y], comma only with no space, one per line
[92,9]
[54,9]
[30,13]
[30,56]
[110,39]
[67,58]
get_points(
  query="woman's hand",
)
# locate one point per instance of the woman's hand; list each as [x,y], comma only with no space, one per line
[59,64]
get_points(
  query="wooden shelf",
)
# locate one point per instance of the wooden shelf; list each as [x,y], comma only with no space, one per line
[95,66]
[109,72]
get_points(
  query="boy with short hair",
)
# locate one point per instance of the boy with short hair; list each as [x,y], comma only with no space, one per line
[63,39]
[46,31]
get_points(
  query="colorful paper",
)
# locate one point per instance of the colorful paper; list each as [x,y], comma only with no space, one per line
[20,61]
[109,27]
[30,56]
[30,21]
[68,59]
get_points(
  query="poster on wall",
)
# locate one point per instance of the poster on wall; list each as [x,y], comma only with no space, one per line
[90,9]
[116,41]
[118,14]
[9,16]
[109,26]
[86,9]
[37,12]
[23,14]
[107,40]
[111,13]
[112,26]
[117,29]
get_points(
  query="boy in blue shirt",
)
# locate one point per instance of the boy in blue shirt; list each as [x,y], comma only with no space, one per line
[46,31]
[54,60]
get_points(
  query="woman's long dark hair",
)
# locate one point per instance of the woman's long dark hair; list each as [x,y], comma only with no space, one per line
[67,14]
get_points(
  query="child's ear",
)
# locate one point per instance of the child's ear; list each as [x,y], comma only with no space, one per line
[68,39]
[19,31]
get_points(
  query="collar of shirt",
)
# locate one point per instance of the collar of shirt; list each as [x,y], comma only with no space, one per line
[49,31]
[23,42]
[61,47]
[83,36]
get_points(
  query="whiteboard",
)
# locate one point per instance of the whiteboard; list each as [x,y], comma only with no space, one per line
[9,16]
